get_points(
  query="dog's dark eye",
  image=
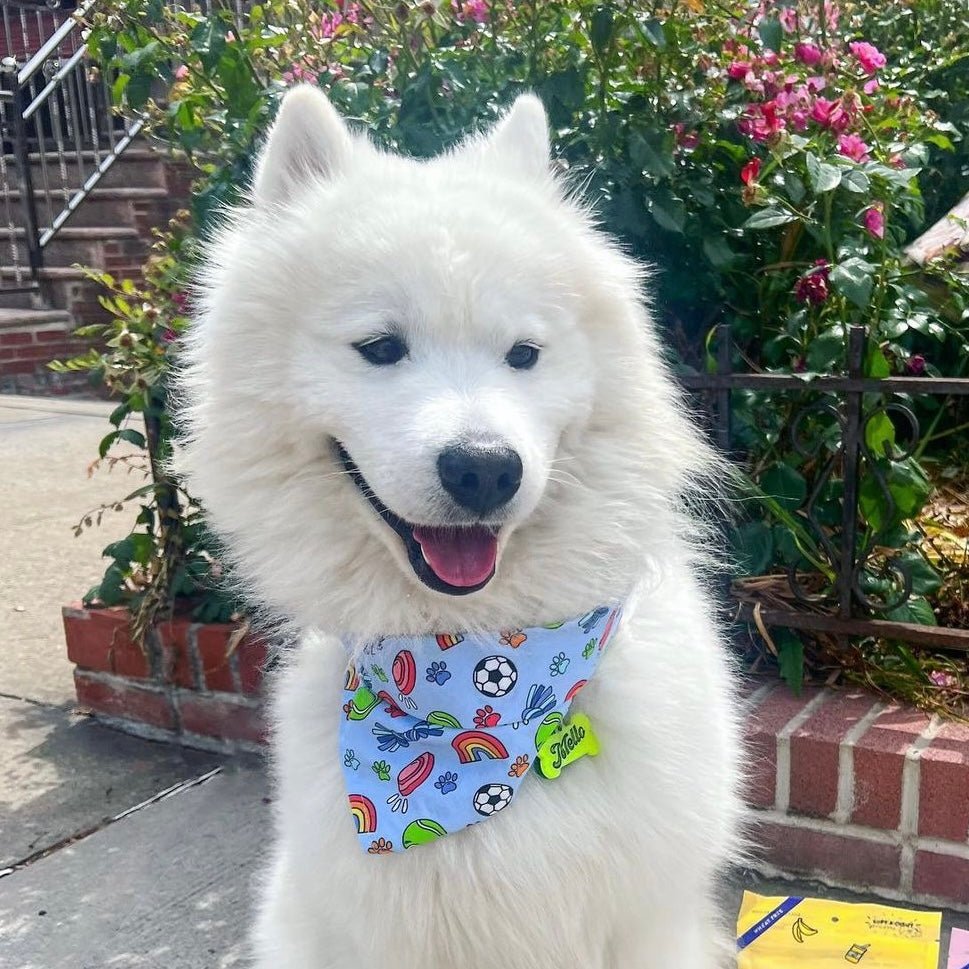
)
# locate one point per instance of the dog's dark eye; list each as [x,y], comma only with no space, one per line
[522,356]
[383,351]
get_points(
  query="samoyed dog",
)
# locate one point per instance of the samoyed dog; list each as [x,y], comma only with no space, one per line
[425,405]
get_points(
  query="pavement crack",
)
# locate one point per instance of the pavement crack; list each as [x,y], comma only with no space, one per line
[46,704]
[107,822]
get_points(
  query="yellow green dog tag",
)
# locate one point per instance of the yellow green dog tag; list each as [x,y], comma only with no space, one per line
[562,742]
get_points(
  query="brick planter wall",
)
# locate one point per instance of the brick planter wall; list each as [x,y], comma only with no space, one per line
[187,685]
[845,788]
[859,793]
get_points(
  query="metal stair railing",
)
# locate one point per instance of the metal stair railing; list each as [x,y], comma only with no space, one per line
[59,130]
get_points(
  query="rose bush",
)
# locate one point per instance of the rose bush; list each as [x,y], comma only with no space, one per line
[771,158]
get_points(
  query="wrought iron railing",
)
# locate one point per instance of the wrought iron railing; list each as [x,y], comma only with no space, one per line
[829,431]
[60,133]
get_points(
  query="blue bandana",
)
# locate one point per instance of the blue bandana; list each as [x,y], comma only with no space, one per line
[439,731]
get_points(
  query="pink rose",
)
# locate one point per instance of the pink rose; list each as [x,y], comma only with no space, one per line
[871,86]
[181,72]
[853,147]
[874,219]
[830,114]
[868,55]
[738,70]
[915,365]
[809,54]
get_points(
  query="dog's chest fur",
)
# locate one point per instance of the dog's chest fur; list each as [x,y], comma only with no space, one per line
[577,871]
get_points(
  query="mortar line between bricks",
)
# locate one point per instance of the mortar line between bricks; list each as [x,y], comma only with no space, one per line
[845,804]
[77,836]
[908,824]
[892,894]
[751,702]
[782,798]
[194,657]
[951,849]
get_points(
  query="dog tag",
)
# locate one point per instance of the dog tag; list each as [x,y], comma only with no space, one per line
[572,739]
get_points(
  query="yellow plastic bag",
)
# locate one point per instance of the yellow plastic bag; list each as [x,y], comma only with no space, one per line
[814,933]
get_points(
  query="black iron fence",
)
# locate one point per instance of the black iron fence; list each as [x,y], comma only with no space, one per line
[855,580]
[60,133]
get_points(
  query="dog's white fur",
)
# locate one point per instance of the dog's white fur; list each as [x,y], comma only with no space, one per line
[612,866]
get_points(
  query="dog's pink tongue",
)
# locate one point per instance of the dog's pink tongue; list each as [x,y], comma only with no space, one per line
[459,556]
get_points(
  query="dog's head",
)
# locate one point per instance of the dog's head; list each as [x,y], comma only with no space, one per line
[425,392]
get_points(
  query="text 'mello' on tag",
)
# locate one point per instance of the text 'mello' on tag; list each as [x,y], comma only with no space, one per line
[563,744]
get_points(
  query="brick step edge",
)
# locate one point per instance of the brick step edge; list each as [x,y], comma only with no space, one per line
[858,793]
[198,684]
[207,721]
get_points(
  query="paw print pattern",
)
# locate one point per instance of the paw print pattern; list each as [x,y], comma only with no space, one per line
[351,760]
[559,664]
[486,717]
[438,673]
[513,638]
[379,673]
[520,766]
[382,769]
[380,847]
[447,782]
[590,648]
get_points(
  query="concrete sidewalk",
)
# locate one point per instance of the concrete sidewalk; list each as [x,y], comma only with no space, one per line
[114,851]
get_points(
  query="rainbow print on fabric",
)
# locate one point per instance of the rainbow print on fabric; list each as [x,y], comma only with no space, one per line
[364,813]
[446,740]
[473,745]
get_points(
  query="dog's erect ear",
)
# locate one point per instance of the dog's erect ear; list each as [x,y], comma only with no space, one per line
[519,142]
[308,140]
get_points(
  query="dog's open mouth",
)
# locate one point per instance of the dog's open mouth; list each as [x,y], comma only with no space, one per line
[453,559]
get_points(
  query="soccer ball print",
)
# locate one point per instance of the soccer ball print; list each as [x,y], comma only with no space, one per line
[491,798]
[495,676]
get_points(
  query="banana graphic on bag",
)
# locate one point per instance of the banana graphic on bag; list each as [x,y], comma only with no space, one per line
[801,930]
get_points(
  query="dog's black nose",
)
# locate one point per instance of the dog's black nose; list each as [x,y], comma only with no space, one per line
[480,478]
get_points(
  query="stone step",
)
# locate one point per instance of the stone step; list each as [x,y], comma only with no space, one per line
[137,167]
[13,319]
[82,244]
[59,287]
[102,206]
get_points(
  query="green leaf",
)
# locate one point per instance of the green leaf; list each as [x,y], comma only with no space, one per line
[915,610]
[853,278]
[925,579]
[106,443]
[668,211]
[648,151]
[785,485]
[119,414]
[600,32]
[769,218]
[793,186]
[754,546]
[132,436]
[823,177]
[908,490]
[790,658]
[825,351]
[876,363]
[855,180]
[655,33]
[880,435]
[716,249]
[771,33]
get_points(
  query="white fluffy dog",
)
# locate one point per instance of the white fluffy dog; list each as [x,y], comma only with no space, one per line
[425,396]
